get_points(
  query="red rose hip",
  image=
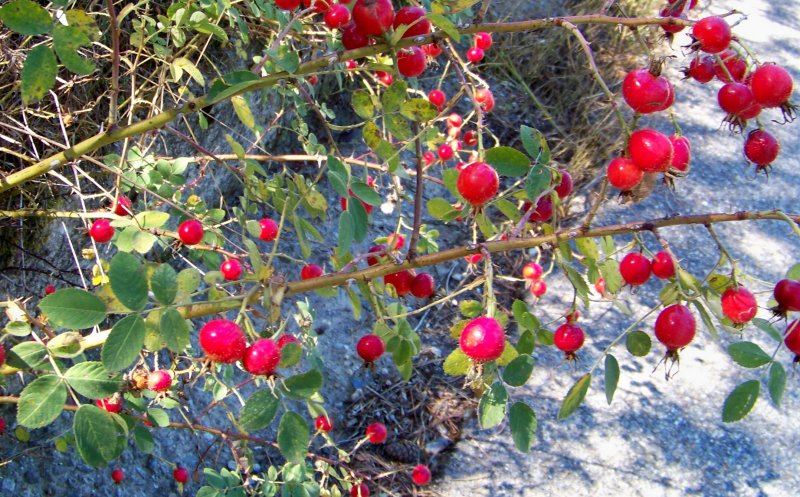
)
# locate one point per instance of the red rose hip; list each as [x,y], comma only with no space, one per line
[635,269]
[231,269]
[423,286]
[180,474]
[191,232]
[662,265]
[675,327]
[370,348]
[310,271]
[568,338]
[739,305]
[650,150]
[101,231]
[373,17]
[421,475]
[222,341]
[323,423]
[483,339]
[478,183]
[624,174]
[262,357]
[376,433]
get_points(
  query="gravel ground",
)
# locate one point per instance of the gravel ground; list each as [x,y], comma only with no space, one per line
[666,438]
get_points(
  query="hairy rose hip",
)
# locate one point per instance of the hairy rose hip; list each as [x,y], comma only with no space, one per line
[262,357]
[376,433]
[635,269]
[478,183]
[675,327]
[222,341]
[483,339]
[101,231]
[370,348]
[191,232]
[739,305]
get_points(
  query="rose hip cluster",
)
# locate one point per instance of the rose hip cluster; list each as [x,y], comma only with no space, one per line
[421,285]
[748,88]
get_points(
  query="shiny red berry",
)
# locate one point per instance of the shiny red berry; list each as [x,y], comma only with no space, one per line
[675,327]
[110,404]
[483,339]
[734,98]
[624,174]
[423,286]
[792,339]
[478,183]
[635,269]
[761,148]
[471,138]
[475,55]
[682,154]
[323,423]
[222,341]
[650,150]
[370,348]
[772,85]
[713,34]
[287,339]
[373,17]
[421,475]
[787,295]
[359,490]
[376,433]
[739,305]
[532,271]
[231,269]
[287,4]
[180,474]
[483,40]
[662,265]
[411,61]
[310,271]
[414,18]
[269,230]
[352,38]
[701,69]
[49,289]
[644,92]
[376,249]
[538,288]
[123,206]
[437,98]
[117,475]
[191,232]
[262,357]
[337,16]
[564,187]
[732,69]
[568,338]
[445,152]
[101,231]
[159,380]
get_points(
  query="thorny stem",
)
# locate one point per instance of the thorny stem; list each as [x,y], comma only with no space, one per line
[113,135]
[412,245]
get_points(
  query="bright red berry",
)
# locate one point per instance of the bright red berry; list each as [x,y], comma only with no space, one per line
[538,288]
[421,475]
[269,229]
[360,490]
[370,348]
[287,4]
[701,69]
[645,92]
[532,271]
[323,423]
[310,271]
[414,18]
[376,433]
[600,286]
[337,16]
[573,316]
[772,85]
[475,55]
[49,289]
[401,281]
[733,68]
[761,148]
[739,305]
[191,232]
[483,339]
[384,77]
[635,269]
[222,341]
[543,211]
[478,183]
[662,265]
[433,50]
[786,293]
[428,158]
[411,61]
[395,241]
[650,150]
[376,249]
[287,339]
[101,230]
[624,174]
[262,357]
[734,98]
[455,120]
[117,475]
[231,269]
[792,339]
[437,98]
[483,40]
[180,474]
[471,138]
[713,34]
[682,154]
[423,286]
[320,6]
[352,38]
[373,17]
[568,338]
[564,187]
[445,152]
[675,327]
[111,404]
[473,259]
[159,380]
[123,206]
